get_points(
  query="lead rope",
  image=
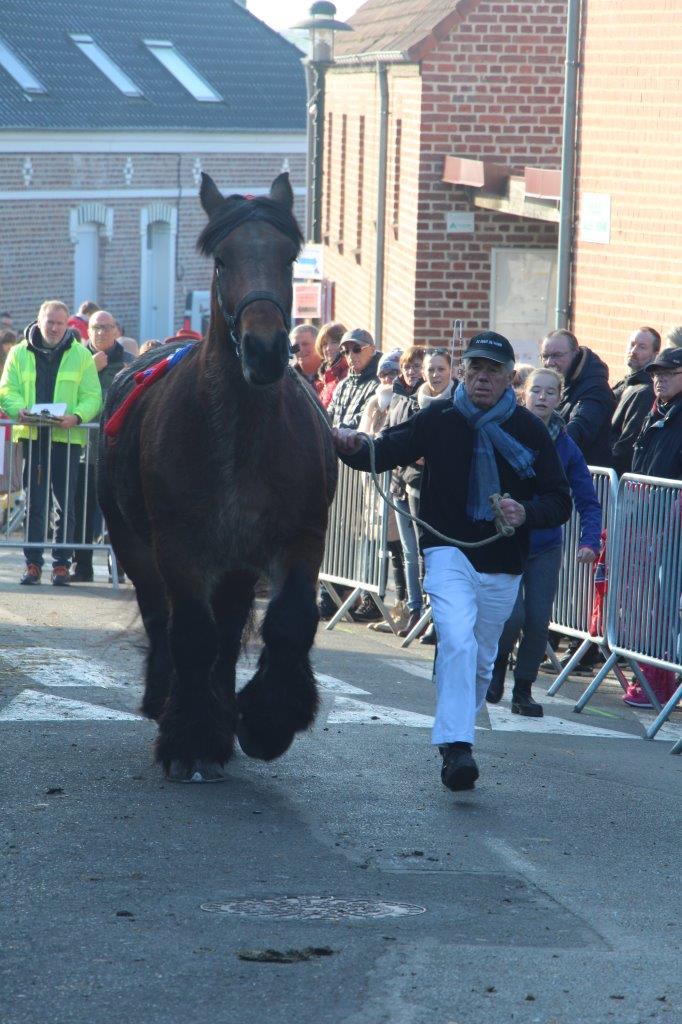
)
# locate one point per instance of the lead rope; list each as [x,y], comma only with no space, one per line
[502,527]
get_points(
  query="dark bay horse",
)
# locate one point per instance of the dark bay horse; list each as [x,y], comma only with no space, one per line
[222,474]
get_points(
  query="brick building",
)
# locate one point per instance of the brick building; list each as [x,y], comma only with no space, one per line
[627,256]
[473,95]
[105,126]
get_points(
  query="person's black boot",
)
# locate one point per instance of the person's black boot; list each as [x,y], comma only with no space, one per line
[459,770]
[496,688]
[522,702]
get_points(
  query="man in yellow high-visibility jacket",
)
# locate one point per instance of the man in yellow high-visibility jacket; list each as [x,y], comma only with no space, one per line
[50,365]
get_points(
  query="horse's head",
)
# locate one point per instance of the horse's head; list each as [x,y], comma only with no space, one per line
[254,242]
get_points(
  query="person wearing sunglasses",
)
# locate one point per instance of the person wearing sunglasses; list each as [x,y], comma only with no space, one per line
[353,393]
[658,449]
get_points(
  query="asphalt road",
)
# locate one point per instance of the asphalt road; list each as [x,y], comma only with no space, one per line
[549,894]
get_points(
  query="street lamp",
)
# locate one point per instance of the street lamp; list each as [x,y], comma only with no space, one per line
[321,27]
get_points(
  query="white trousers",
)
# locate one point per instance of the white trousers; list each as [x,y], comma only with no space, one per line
[469,612]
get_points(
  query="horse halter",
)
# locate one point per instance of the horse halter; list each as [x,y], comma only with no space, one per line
[232,319]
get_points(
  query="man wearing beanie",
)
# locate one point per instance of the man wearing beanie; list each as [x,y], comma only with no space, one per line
[481,444]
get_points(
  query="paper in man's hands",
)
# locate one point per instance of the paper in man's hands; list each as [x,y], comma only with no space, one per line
[46,413]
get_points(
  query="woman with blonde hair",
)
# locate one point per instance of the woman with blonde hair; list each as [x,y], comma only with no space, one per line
[532,611]
[334,366]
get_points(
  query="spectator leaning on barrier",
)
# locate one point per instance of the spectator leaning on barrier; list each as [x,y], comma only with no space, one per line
[587,401]
[403,406]
[353,393]
[635,396]
[109,356]
[658,449]
[51,365]
[348,402]
[373,420]
[306,360]
[334,366]
[658,453]
[533,607]
[485,439]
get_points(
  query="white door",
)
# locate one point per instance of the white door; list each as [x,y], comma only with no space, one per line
[86,264]
[157,290]
[523,298]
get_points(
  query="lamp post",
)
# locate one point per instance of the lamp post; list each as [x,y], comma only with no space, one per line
[321,26]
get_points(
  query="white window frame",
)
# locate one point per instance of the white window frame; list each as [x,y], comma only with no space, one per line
[108,67]
[19,71]
[182,71]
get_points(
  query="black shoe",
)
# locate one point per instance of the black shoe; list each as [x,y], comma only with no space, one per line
[459,770]
[367,611]
[522,702]
[326,606]
[82,574]
[496,688]
[411,623]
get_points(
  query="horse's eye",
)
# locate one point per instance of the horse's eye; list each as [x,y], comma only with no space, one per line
[219,263]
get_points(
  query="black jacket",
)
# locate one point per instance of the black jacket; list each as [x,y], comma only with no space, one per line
[352,393]
[117,358]
[658,449]
[635,397]
[587,405]
[443,437]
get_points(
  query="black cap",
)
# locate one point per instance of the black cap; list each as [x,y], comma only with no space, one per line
[668,359]
[489,345]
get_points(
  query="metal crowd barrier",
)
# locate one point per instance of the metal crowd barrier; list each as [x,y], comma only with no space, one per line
[574,600]
[17,460]
[356,553]
[644,612]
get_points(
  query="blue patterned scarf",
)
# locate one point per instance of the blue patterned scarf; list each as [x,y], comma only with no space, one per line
[489,437]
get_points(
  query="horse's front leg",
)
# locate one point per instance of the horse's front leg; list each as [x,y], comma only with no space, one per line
[196,728]
[281,699]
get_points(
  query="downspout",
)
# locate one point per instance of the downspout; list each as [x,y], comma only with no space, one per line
[381,203]
[568,152]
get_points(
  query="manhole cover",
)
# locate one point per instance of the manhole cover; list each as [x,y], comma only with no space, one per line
[313,908]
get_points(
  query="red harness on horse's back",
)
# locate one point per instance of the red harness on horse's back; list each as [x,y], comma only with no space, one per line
[143,380]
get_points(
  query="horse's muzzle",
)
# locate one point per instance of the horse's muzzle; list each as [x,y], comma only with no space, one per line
[264,362]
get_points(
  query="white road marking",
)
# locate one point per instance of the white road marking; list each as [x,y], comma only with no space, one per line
[502,720]
[333,685]
[53,667]
[32,706]
[357,712]
[413,668]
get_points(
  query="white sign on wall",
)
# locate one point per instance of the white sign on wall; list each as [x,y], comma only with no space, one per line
[308,266]
[595,218]
[460,222]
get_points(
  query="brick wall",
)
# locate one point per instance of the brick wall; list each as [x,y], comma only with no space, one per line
[36,252]
[492,88]
[629,130]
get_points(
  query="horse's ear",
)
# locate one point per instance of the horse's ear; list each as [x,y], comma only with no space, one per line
[280,191]
[210,195]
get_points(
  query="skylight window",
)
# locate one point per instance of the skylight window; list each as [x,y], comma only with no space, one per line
[104,63]
[182,71]
[19,71]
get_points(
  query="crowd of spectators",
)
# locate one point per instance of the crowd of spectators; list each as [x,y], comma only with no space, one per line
[636,425]
[63,360]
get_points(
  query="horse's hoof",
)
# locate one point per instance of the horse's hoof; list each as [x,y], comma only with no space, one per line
[263,748]
[200,771]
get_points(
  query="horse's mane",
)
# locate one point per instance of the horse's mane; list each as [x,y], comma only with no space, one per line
[238,210]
